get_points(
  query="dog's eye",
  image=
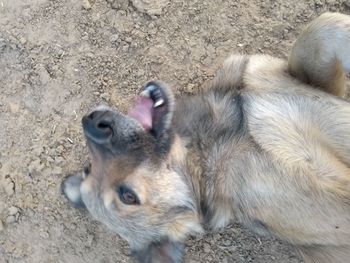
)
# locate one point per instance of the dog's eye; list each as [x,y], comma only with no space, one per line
[127,196]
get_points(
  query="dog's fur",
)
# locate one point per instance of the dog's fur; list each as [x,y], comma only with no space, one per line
[267,145]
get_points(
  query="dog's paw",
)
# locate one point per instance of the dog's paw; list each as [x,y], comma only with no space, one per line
[7,185]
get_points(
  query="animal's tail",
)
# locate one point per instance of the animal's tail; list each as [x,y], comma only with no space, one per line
[321,55]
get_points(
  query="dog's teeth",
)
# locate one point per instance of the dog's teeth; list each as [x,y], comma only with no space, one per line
[153,92]
[145,93]
[158,103]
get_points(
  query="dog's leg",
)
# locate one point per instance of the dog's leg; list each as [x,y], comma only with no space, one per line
[320,56]
[230,75]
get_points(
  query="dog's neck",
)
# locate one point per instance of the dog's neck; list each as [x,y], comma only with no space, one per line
[202,124]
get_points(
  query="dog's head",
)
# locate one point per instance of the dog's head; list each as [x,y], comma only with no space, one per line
[133,186]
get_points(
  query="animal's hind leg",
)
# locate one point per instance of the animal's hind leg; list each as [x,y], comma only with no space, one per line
[320,56]
[230,75]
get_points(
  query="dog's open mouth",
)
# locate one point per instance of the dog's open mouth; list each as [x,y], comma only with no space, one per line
[146,105]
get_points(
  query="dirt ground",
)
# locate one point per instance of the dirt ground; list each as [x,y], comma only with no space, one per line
[60,58]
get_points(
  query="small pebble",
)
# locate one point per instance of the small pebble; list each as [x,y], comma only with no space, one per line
[23,40]
[104,96]
[207,248]
[114,38]
[10,219]
[125,48]
[59,159]
[9,188]
[1,226]
[14,108]
[89,240]
[57,170]
[13,210]
[45,235]
[86,4]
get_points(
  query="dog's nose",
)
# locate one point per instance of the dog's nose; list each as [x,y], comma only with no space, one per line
[98,125]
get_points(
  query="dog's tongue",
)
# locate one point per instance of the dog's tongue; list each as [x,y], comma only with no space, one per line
[143,112]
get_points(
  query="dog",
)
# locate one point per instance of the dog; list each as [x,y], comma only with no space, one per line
[266,144]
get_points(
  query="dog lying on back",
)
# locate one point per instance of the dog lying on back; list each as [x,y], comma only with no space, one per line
[267,145]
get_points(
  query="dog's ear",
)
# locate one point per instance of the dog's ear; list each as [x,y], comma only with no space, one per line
[170,248]
[164,251]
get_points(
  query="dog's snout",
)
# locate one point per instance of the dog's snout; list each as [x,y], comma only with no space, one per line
[98,125]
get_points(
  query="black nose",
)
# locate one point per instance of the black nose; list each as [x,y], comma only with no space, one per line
[98,126]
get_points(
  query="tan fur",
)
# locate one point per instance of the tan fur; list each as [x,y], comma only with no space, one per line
[268,146]
[321,54]
[230,73]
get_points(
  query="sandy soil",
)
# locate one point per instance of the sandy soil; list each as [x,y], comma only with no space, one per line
[60,58]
